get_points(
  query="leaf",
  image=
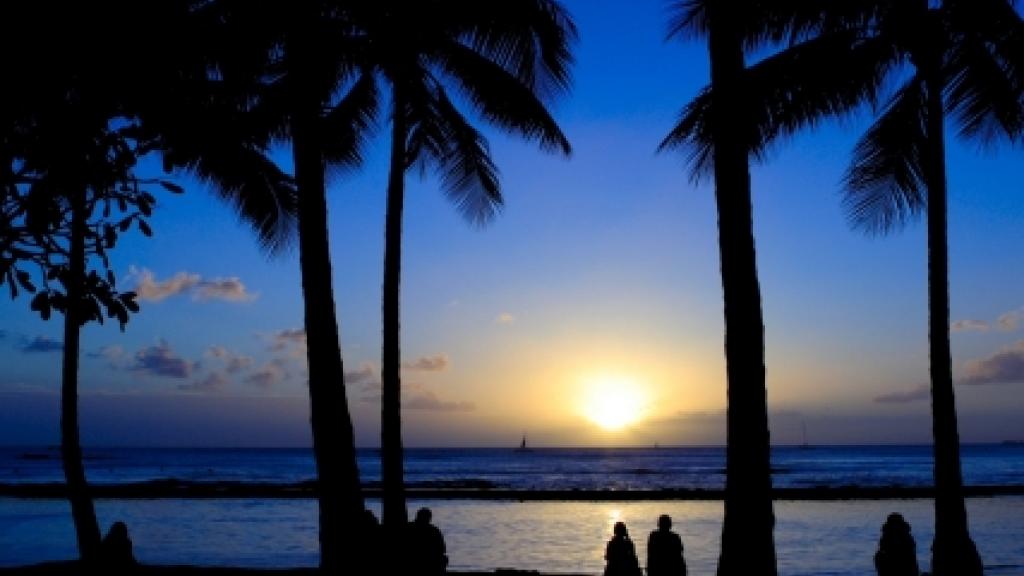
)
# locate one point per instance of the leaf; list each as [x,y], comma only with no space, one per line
[25,280]
[172,187]
[144,228]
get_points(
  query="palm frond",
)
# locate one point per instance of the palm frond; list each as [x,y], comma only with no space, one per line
[468,174]
[884,186]
[530,39]
[502,99]
[825,77]
[347,125]
[984,89]
[461,156]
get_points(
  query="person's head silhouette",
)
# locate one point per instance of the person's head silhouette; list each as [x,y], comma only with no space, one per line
[620,530]
[423,516]
[665,522]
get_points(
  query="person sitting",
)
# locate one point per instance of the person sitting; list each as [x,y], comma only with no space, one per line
[426,548]
[665,550]
[117,548]
[620,554]
[897,551]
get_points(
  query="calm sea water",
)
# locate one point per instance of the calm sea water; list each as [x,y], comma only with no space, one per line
[543,469]
[836,538]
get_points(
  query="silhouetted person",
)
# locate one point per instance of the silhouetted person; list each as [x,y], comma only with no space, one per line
[897,551]
[117,548]
[427,555]
[665,550]
[620,554]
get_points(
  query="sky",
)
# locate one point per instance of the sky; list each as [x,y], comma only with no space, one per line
[588,313]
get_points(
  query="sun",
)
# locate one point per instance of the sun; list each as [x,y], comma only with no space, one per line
[614,403]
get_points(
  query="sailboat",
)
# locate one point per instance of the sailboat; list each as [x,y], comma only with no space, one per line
[522,445]
[803,426]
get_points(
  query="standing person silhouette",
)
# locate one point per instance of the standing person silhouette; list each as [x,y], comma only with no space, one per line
[665,550]
[620,554]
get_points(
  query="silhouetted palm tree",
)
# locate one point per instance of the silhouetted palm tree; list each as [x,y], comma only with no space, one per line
[748,545]
[966,61]
[73,132]
[505,59]
[965,58]
[302,56]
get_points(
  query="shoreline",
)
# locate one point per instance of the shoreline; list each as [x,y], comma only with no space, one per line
[182,489]
[65,567]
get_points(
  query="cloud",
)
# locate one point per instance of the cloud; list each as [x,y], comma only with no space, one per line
[1004,367]
[366,374]
[294,338]
[505,318]
[233,363]
[427,400]
[42,344]
[436,363]
[1010,321]
[921,392]
[231,289]
[113,354]
[268,375]
[969,326]
[228,289]
[1007,322]
[160,360]
[214,382]
[149,289]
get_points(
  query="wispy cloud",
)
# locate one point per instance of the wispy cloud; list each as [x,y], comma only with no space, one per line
[1006,322]
[969,326]
[42,344]
[436,363]
[915,394]
[1010,321]
[213,382]
[291,339]
[233,362]
[230,289]
[366,374]
[1004,367]
[505,318]
[160,360]
[268,375]
[113,354]
[427,400]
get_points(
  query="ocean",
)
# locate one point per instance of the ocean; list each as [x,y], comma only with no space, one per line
[812,537]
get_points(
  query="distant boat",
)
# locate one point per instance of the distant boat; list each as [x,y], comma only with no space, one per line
[803,427]
[522,445]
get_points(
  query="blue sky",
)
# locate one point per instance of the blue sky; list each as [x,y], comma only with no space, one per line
[601,268]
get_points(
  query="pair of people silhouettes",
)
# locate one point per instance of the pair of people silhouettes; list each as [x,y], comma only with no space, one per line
[664,552]
[423,551]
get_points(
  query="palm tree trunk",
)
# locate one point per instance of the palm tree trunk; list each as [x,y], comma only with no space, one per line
[748,546]
[392,473]
[953,551]
[83,513]
[339,493]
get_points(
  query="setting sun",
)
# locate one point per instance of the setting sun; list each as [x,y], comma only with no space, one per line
[614,403]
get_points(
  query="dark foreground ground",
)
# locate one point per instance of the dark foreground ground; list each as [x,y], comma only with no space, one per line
[73,569]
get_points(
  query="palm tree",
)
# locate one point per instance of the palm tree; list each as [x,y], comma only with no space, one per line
[965,62]
[293,58]
[506,59]
[748,545]
[72,165]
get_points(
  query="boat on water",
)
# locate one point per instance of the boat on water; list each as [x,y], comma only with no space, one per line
[522,445]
